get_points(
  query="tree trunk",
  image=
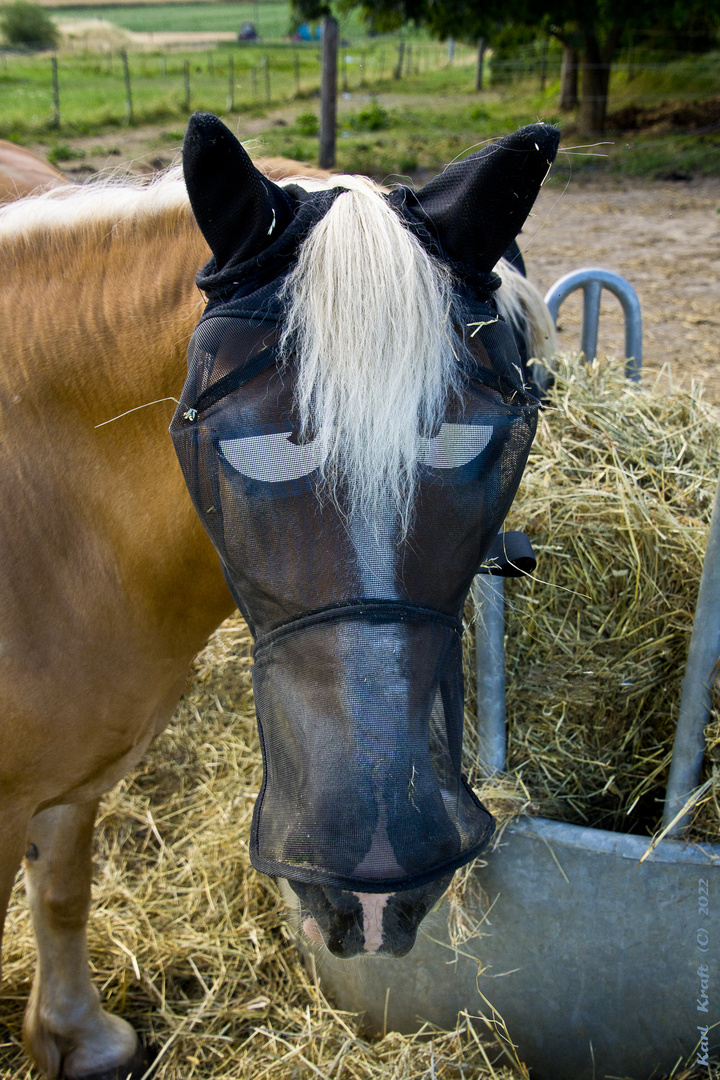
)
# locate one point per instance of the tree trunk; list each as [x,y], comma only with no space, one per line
[568,79]
[595,70]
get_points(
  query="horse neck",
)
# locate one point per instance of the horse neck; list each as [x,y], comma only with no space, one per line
[96,320]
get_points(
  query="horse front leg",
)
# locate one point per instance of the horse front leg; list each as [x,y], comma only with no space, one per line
[66,1031]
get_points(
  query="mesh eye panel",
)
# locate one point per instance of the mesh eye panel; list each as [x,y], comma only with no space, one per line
[358,673]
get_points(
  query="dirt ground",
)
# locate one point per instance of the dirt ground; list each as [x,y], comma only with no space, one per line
[663,236]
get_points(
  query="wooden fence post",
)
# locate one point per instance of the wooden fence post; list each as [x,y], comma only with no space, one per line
[328,93]
[401,57]
[480,63]
[129,114]
[55,122]
[186,81]
[230,104]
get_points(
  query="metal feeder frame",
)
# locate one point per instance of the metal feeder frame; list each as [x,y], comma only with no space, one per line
[595,960]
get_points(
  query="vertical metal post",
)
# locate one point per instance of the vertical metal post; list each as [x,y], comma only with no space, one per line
[489,596]
[253,80]
[695,702]
[297,73]
[592,293]
[268,95]
[328,93]
[451,50]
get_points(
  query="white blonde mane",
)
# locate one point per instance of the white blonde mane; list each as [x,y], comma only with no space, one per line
[521,305]
[109,200]
[369,322]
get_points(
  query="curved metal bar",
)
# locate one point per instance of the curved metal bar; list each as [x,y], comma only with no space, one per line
[695,703]
[592,280]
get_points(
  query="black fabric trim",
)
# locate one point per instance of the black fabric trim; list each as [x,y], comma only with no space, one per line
[237,377]
[241,277]
[315,876]
[513,555]
[372,611]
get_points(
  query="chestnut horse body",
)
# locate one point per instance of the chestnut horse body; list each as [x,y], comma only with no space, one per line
[109,584]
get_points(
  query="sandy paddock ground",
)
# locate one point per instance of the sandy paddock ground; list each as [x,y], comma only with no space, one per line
[664,237]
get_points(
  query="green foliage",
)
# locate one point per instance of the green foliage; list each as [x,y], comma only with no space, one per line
[309,11]
[64,152]
[307,124]
[23,23]
[372,118]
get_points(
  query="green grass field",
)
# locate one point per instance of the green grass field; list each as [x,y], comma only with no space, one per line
[271,18]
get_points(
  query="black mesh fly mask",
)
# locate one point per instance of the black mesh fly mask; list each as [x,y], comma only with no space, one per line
[357,624]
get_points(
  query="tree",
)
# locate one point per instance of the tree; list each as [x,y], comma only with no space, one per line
[23,23]
[591,28]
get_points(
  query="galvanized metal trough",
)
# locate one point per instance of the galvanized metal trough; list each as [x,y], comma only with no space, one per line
[600,964]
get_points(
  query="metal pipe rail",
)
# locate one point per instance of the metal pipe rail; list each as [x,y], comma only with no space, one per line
[592,280]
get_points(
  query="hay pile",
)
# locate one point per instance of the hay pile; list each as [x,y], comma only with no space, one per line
[617,501]
[192,946]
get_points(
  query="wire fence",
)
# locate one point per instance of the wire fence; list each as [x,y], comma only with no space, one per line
[39,93]
[121,87]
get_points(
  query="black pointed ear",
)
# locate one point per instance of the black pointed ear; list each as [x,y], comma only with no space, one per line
[479,205]
[239,211]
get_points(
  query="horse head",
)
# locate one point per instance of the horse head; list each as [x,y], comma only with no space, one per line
[352,431]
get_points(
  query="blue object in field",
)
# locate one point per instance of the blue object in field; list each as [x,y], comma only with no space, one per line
[304,33]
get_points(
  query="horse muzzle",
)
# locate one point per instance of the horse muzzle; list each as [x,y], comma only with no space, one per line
[354,923]
[360,709]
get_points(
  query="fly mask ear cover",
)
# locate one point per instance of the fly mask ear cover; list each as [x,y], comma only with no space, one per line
[358,662]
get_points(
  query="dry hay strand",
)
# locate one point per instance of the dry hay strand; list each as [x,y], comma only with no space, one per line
[191,945]
[616,499]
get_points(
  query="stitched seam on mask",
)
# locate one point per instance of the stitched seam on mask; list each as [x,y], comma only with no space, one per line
[374,611]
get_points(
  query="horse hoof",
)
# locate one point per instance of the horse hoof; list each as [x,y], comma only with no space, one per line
[133,1069]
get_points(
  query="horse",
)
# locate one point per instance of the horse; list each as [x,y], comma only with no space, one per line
[110,583]
[22,172]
